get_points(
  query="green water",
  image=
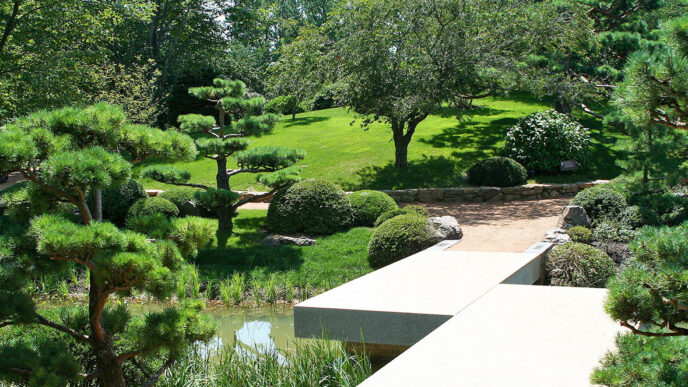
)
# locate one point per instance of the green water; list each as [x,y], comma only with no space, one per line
[260,330]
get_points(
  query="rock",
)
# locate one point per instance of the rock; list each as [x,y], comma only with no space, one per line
[276,240]
[573,216]
[557,236]
[427,195]
[446,227]
[189,208]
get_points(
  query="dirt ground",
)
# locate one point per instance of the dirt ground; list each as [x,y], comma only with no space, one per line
[501,227]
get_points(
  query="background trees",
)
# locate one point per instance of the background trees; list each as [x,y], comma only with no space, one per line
[401,61]
[238,116]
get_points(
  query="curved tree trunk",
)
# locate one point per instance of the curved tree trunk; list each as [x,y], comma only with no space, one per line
[110,373]
[222,179]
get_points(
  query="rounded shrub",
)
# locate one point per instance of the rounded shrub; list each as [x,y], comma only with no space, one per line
[580,265]
[284,104]
[412,209]
[387,215]
[580,234]
[311,207]
[600,201]
[184,200]
[369,205]
[118,200]
[637,217]
[420,210]
[398,238]
[542,140]
[497,172]
[153,205]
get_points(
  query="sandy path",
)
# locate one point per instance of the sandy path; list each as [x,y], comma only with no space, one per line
[14,178]
[508,227]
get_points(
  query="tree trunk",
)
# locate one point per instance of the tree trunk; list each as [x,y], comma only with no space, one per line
[400,154]
[98,204]
[84,212]
[224,219]
[293,111]
[110,373]
[222,179]
[11,25]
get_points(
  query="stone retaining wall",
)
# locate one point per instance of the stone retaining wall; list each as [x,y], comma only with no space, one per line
[469,194]
[490,194]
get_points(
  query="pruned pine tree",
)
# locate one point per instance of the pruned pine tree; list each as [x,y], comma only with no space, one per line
[239,116]
[67,153]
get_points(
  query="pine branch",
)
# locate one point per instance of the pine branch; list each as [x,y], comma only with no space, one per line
[194,185]
[256,197]
[78,336]
[127,356]
[154,378]
[677,331]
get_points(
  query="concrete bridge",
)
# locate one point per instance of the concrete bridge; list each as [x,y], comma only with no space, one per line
[466,318]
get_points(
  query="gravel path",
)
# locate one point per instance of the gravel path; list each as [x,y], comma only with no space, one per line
[501,227]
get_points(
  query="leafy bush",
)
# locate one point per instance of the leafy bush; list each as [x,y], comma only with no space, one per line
[637,217]
[600,201]
[369,205]
[497,172]
[153,205]
[541,141]
[310,206]
[118,200]
[285,104]
[420,210]
[578,264]
[156,226]
[181,197]
[612,230]
[398,238]
[412,209]
[671,208]
[645,361]
[580,234]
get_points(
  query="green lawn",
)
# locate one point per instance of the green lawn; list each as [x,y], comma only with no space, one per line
[442,149]
[335,260]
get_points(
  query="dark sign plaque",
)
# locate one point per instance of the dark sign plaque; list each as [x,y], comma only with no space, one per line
[567,166]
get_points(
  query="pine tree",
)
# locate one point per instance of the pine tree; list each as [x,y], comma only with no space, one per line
[65,155]
[239,116]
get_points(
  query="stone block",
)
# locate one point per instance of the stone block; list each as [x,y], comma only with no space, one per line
[426,195]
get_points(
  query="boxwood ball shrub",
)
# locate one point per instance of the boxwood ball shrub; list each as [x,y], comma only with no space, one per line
[412,209]
[580,265]
[117,200]
[580,234]
[498,172]
[311,207]
[398,238]
[542,140]
[153,205]
[368,205]
[600,201]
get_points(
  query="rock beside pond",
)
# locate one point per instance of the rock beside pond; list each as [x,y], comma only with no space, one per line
[557,236]
[276,240]
[446,227]
[573,216]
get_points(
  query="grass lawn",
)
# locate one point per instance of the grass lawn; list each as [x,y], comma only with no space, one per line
[336,259]
[442,149]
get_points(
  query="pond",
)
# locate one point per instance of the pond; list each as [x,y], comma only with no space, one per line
[261,330]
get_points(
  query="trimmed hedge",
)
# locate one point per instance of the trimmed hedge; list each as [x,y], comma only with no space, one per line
[413,209]
[398,238]
[369,205]
[580,234]
[311,207]
[118,200]
[600,201]
[497,172]
[153,205]
[579,265]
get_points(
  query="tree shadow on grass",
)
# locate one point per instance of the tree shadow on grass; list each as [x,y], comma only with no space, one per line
[303,121]
[426,172]
[463,114]
[471,134]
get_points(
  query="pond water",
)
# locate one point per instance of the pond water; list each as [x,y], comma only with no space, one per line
[261,330]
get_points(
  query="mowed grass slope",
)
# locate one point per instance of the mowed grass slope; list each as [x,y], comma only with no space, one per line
[442,149]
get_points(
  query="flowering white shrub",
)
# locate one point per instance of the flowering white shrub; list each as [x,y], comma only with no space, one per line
[541,141]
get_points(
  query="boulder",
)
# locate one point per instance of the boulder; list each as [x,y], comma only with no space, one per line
[573,216]
[189,208]
[557,236]
[276,240]
[446,227]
